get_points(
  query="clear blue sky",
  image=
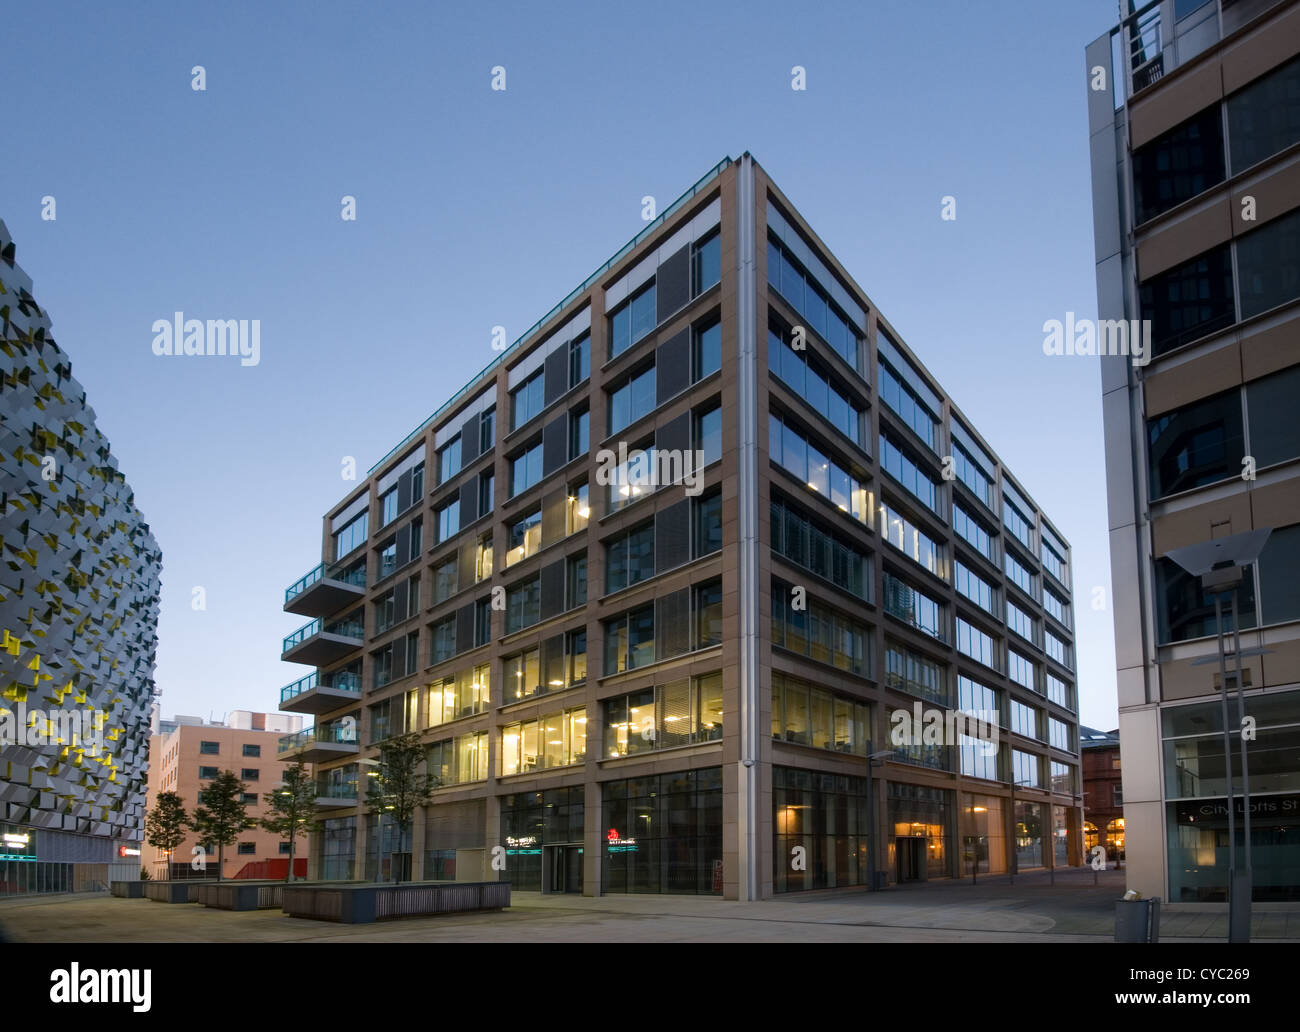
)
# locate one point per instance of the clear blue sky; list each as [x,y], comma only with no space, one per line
[478,208]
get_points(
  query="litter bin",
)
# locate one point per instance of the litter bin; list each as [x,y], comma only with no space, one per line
[1137,920]
[882,880]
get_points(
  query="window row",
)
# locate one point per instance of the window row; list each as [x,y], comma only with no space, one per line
[554,740]
[672,625]
[1263,119]
[809,715]
[681,712]
[460,760]
[559,662]
[804,375]
[805,542]
[796,453]
[529,398]
[806,296]
[809,628]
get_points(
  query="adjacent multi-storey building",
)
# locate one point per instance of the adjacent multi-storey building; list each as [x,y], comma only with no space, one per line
[658,586]
[186,753]
[1194,115]
[79,587]
[1103,794]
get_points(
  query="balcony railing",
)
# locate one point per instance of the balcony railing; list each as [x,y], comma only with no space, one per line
[338,733]
[344,628]
[332,571]
[288,743]
[346,790]
[339,680]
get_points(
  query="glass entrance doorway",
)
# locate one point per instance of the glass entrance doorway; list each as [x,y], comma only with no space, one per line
[563,869]
[910,850]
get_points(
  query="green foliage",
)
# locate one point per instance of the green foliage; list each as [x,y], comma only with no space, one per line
[166,824]
[397,784]
[293,808]
[221,816]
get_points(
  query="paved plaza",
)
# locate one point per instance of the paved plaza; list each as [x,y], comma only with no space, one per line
[1031,910]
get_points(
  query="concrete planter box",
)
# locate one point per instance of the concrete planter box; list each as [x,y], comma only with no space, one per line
[241,894]
[128,889]
[362,904]
[185,891]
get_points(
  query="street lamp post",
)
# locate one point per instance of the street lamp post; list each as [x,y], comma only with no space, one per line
[1220,563]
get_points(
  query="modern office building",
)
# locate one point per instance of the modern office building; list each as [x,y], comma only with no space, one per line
[1103,793]
[79,586]
[1194,115]
[654,585]
[188,752]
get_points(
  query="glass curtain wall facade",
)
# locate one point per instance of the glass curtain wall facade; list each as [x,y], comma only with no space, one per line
[595,718]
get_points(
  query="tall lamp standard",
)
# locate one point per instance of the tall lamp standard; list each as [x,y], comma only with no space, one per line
[871,818]
[1219,564]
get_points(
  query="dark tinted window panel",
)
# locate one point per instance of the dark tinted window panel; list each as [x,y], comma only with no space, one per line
[1279,576]
[1186,610]
[556,373]
[400,594]
[465,628]
[673,623]
[675,435]
[673,366]
[1274,429]
[555,444]
[1198,444]
[1264,117]
[552,660]
[552,589]
[403,544]
[468,502]
[465,572]
[1268,265]
[469,441]
[404,491]
[672,536]
[1189,300]
[673,283]
[1178,165]
[554,511]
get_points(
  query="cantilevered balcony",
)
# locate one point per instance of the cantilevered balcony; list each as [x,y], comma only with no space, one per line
[320,644]
[322,743]
[335,794]
[326,589]
[319,693]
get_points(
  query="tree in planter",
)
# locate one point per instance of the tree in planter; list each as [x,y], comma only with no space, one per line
[222,816]
[293,807]
[166,826]
[396,785]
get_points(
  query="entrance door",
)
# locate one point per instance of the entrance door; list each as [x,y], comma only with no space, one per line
[911,858]
[573,869]
[565,866]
